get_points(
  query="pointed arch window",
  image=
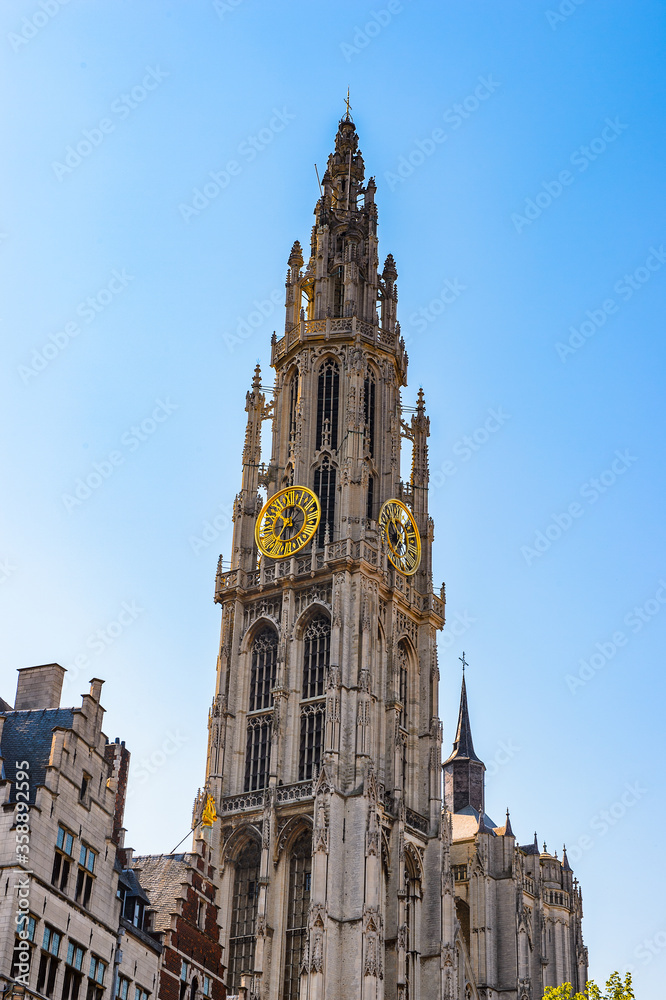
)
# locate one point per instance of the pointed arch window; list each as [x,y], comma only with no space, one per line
[293,410]
[338,291]
[324,487]
[370,500]
[243,915]
[300,874]
[369,394]
[328,399]
[316,658]
[260,717]
[412,902]
[403,683]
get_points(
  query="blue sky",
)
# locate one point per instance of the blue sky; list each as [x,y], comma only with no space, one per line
[518,152]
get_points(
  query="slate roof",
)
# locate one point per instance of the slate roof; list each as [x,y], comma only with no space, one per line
[27,735]
[463,747]
[128,878]
[162,876]
[465,824]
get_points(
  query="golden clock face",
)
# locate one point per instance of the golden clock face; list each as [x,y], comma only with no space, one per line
[401,536]
[287,522]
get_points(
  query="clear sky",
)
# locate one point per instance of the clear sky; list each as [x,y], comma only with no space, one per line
[518,149]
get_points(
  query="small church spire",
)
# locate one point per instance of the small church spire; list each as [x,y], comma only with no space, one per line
[463,745]
[508,830]
[464,770]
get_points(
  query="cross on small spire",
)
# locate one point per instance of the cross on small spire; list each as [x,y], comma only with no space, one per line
[463,661]
[348,115]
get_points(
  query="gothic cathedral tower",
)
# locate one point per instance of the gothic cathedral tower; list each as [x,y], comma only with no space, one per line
[324,753]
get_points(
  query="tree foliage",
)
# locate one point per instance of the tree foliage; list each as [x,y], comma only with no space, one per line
[616,989]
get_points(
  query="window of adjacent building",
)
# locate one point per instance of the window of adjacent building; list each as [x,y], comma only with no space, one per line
[328,398]
[62,859]
[206,985]
[73,974]
[324,487]
[22,955]
[260,719]
[48,963]
[184,970]
[85,784]
[85,875]
[140,993]
[300,868]
[122,988]
[316,655]
[243,915]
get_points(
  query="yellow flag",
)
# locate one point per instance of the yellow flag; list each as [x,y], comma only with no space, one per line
[209,814]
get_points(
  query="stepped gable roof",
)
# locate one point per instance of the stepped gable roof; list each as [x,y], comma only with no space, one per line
[28,735]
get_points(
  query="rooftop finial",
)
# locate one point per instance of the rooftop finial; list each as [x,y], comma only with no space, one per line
[463,661]
[348,116]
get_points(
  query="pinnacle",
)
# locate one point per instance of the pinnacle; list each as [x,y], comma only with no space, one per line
[256,381]
[296,255]
[508,830]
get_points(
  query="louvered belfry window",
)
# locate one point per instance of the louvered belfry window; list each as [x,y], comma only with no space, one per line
[328,399]
[300,869]
[316,657]
[324,487]
[260,717]
[243,915]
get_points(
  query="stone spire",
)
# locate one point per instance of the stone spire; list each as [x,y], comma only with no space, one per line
[464,771]
[508,830]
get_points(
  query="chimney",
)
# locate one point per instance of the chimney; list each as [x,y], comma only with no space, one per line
[39,687]
[117,758]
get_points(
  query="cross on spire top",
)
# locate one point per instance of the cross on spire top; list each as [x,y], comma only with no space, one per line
[348,117]
[463,661]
